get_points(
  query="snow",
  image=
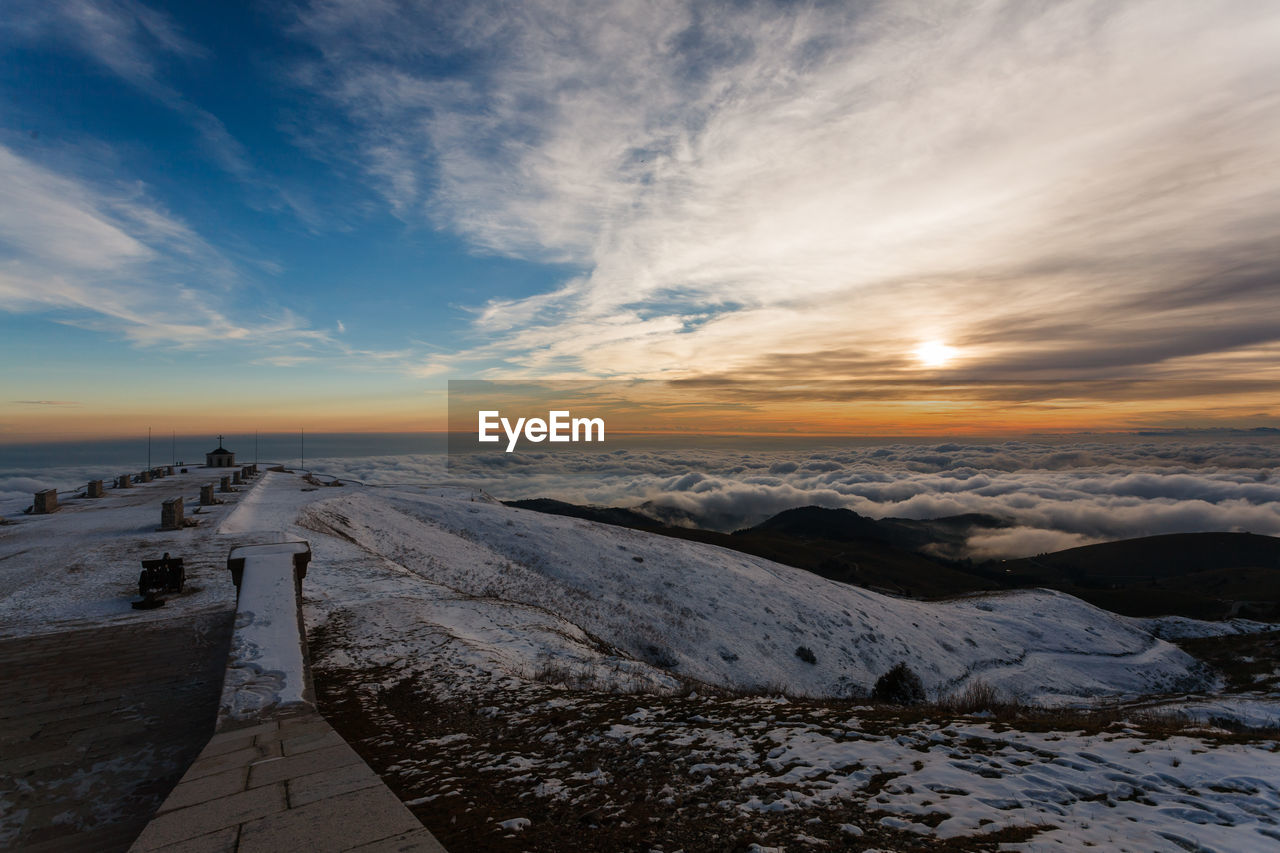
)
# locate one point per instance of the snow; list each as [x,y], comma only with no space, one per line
[1250,709]
[79,566]
[977,776]
[720,617]
[1182,628]
[447,586]
[764,766]
[265,668]
[523,593]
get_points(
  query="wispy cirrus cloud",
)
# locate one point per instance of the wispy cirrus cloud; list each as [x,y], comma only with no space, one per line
[108,257]
[145,48]
[133,41]
[1076,190]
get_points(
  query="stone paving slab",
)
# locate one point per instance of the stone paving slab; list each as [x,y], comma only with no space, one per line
[288,784]
[418,841]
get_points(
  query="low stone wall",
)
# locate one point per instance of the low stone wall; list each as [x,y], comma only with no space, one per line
[275,775]
[268,669]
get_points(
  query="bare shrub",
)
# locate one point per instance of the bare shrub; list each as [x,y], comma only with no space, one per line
[899,686]
[977,696]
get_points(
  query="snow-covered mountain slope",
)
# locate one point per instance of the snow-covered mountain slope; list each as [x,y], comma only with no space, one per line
[712,615]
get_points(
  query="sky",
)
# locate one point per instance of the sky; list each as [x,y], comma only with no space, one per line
[950,217]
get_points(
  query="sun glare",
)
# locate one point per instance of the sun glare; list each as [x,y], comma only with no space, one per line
[934,353]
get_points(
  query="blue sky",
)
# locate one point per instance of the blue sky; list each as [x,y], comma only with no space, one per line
[331,207]
[189,114]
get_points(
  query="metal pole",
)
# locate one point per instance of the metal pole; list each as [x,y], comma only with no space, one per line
[148,448]
[304,448]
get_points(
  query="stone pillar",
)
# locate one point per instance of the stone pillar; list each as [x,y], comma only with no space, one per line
[236,479]
[95,489]
[125,481]
[46,502]
[145,476]
[225,485]
[168,470]
[171,517]
[206,495]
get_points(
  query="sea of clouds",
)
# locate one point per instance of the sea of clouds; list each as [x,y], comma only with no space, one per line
[1058,494]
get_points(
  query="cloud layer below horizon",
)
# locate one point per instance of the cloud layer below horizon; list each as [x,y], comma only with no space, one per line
[1057,495]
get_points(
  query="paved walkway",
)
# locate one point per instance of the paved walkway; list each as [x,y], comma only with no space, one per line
[97,725]
[291,783]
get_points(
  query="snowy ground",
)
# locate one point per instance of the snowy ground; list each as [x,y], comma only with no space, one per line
[503,764]
[513,670]
[731,620]
[79,567]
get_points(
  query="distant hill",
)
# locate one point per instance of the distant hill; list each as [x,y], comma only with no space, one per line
[942,536]
[1200,575]
[837,544]
[1168,556]
[1206,575]
[616,516]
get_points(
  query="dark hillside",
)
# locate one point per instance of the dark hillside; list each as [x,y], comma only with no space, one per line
[1200,575]
[1205,575]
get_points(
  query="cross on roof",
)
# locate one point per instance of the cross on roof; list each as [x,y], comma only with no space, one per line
[219,441]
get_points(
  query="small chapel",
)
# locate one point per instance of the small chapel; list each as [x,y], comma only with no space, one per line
[220,457]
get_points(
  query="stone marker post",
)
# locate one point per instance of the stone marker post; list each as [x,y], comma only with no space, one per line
[145,476]
[206,495]
[95,489]
[225,485]
[171,516]
[46,502]
[125,481]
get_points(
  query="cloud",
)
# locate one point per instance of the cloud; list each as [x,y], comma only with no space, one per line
[104,255]
[1057,191]
[146,49]
[1058,494]
[107,257]
[133,41]
[46,402]
[1023,541]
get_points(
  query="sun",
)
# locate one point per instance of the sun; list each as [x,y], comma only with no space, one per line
[934,353]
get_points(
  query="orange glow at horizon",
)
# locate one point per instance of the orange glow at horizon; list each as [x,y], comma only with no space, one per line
[824,409]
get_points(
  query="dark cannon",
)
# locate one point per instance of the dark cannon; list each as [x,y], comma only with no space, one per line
[158,576]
